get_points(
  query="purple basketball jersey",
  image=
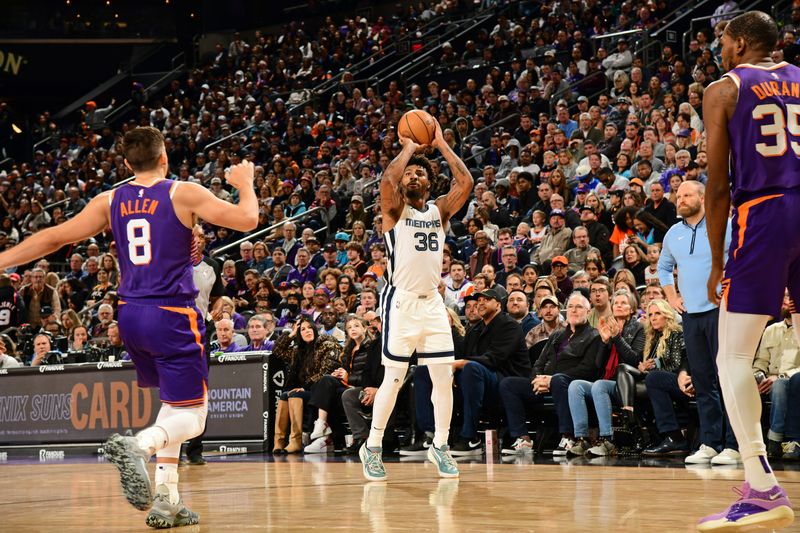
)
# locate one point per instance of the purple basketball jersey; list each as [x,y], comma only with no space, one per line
[765,131]
[153,246]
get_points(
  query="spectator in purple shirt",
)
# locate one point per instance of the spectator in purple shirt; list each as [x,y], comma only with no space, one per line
[224,343]
[257,331]
[303,271]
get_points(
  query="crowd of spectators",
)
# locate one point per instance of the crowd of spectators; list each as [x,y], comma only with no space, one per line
[576,187]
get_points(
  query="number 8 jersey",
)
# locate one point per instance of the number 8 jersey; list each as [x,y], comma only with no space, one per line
[153,246]
[765,130]
[414,249]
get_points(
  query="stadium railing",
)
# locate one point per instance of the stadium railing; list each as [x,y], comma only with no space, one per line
[176,71]
[122,80]
[490,127]
[779,11]
[261,232]
[63,202]
[423,64]
[672,19]
[453,30]
[391,50]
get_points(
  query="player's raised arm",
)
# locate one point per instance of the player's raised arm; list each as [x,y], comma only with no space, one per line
[719,103]
[240,217]
[391,198]
[458,195]
[89,222]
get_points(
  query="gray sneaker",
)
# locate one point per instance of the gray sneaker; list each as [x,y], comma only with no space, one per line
[131,460]
[372,462]
[163,514]
[443,461]
[602,448]
[580,447]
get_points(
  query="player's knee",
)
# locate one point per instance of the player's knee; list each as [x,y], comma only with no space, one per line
[394,385]
[471,369]
[198,424]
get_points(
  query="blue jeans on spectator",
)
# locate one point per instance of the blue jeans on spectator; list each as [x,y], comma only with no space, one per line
[604,395]
[581,394]
[559,389]
[478,386]
[662,388]
[785,421]
[517,395]
[423,388]
[700,333]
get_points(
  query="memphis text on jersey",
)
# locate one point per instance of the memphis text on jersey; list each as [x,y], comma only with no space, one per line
[423,223]
[139,206]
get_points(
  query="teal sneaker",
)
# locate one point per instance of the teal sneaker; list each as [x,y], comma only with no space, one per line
[373,463]
[443,461]
[165,515]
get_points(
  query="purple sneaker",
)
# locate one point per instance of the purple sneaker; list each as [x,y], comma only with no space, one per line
[755,509]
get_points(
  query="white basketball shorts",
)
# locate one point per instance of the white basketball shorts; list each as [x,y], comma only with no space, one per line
[415,323]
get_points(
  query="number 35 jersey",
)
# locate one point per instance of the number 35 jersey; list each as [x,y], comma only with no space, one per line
[765,130]
[414,249]
[153,246]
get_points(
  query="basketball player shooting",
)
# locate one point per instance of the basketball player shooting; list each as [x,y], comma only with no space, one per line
[413,313]
[151,218]
[752,122]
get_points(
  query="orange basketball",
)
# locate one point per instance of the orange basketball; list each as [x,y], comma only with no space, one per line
[418,126]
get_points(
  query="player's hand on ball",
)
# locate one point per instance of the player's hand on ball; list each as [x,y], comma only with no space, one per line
[438,138]
[407,142]
[241,175]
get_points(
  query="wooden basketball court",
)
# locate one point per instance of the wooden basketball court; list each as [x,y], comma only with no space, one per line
[301,494]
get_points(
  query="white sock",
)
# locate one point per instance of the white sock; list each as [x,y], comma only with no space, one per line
[384,403]
[739,334]
[442,399]
[167,472]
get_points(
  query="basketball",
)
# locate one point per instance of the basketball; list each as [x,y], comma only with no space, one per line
[418,126]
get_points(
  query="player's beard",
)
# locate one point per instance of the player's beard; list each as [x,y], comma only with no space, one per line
[415,193]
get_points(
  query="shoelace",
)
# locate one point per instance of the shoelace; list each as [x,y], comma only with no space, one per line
[789,447]
[448,460]
[374,462]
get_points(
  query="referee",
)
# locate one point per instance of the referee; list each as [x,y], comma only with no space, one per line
[686,247]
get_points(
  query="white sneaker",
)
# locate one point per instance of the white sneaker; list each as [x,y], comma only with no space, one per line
[728,456]
[321,429]
[703,456]
[520,446]
[564,446]
[320,445]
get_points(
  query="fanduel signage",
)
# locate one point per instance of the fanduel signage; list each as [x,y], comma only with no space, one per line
[87,402]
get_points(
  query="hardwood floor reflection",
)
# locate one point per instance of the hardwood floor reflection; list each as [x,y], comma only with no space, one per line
[301,495]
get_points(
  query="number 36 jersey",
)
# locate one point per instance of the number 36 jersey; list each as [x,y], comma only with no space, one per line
[153,246]
[765,130]
[414,249]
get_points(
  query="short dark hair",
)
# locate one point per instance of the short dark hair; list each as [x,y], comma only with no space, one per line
[757,29]
[527,176]
[458,263]
[422,161]
[142,148]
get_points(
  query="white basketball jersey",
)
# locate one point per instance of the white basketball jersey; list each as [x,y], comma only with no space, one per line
[414,249]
